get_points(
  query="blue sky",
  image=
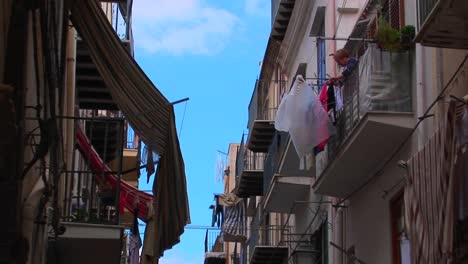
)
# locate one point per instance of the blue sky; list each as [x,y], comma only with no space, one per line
[210,52]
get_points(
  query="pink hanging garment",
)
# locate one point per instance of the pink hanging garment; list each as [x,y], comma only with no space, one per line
[323,97]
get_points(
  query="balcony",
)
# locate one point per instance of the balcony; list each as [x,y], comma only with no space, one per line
[268,244]
[92,92]
[81,238]
[375,119]
[214,248]
[281,18]
[284,180]
[129,163]
[249,172]
[262,113]
[443,23]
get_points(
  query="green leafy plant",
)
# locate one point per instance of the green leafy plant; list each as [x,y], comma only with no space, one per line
[387,37]
[407,34]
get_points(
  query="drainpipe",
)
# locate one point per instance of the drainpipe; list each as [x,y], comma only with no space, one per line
[332,22]
[70,107]
[338,236]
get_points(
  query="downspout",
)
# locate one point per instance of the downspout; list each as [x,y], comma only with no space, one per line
[335,213]
[334,29]
[70,108]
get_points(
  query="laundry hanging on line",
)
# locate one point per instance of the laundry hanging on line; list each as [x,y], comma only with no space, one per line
[302,115]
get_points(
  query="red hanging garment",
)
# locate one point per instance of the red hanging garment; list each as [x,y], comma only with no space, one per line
[323,97]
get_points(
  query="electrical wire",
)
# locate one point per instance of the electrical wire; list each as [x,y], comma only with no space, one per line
[403,143]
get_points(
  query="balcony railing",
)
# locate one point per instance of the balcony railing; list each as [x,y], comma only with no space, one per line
[276,150]
[381,83]
[275,237]
[247,160]
[249,172]
[214,243]
[263,91]
[88,199]
[425,8]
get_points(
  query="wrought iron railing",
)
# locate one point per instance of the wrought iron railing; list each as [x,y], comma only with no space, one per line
[213,241]
[239,158]
[268,235]
[425,8]
[273,157]
[254,161]
[381,83]
[87,197]
[265,100]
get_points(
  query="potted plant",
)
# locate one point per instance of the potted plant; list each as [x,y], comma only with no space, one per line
[387,37]
[407,34]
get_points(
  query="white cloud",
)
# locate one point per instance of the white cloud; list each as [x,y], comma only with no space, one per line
[257,7]
[181,27]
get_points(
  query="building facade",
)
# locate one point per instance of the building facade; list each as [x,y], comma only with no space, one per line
[71,147]
[356,199]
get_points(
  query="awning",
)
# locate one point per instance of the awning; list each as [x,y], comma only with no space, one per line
[146,109]
[234,227]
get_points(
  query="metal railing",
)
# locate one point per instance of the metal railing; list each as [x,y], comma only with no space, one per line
[275,152]
[213,242]
[239,158]
[268,235]
[87,198]
[121,19]
[425,8]
[254,161]
[265,100]
[370,88]
[248,160]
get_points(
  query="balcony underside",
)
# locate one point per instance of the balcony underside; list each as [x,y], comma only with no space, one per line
[282,19]
[79,240]
[446,26]
[284,191]
[250,183]
[215,258]
[92,92]
[269,255]
[366,148]
[261,135]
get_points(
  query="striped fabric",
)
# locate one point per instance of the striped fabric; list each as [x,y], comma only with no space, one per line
[429,197]
[233,227]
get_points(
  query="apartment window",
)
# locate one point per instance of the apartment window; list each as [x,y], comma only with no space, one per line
[400,241]
[393,13]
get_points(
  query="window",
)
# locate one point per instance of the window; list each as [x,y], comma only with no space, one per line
[400,242]
[392,12]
